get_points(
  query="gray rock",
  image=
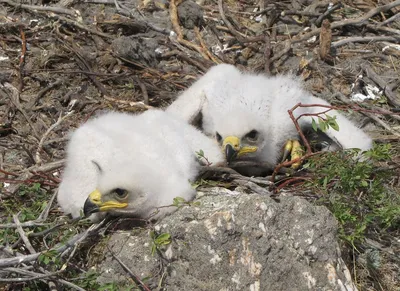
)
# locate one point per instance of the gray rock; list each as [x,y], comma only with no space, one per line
[236,241]
[142,49]
[190,14]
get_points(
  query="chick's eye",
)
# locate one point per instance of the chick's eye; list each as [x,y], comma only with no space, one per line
[121,193]
[252,134]
[218,137]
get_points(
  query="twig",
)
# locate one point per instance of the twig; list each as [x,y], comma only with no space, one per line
[15,100]
[347,40]
[60,10]
[22,59]
[125,267]
[173,11]
[389,20]
[7,262]
[267,54]
[129,103]
[22,235]
[328,12]
[45,213]
[372,116]
[391,96]
[334,25]
[44,91]
[203,45]
[59,121]
[238,36]
[186,58]
[144,90]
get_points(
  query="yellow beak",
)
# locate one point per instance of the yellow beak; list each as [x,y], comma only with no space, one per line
[94,204]
[232,148]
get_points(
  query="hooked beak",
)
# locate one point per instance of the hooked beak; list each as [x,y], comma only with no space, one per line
[230,153]
[95,204]
[233,149]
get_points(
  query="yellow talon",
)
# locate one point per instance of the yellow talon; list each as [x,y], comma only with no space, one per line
[297,152]
[287,149]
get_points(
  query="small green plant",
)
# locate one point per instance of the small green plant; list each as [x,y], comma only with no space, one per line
[159,240]
[202,158]
[325,123]
[50,257]
[357,192]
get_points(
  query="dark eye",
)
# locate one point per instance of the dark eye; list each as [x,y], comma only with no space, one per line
[121,193]
[218,137]
[252,134]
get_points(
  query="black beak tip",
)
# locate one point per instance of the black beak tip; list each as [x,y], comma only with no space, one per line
[230,153]
[89,207]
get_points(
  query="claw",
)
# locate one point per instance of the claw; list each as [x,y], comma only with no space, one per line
[287,149]
[296,152]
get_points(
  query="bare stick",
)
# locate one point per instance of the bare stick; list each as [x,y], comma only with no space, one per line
[365,39]
[144,90]
[59,121]
[59,249]
[42,8]
[125,267]
[22,235]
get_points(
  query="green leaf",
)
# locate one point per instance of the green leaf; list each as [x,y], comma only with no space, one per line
[322,124]
[178,201]
[163,239]
[314,125]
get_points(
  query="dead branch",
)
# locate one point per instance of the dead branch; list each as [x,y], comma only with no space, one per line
[33,8]
[77,239]
[347,40]
[129,271]
[334,25]
[390,95]
[173,11]
[186,58]
[15,101]
[44,91]
[22,235]
[22,59]
[144,90]
[233,31]
[203,45]
[45,135]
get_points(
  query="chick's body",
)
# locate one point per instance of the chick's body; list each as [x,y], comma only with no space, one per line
[151,155]
[233,103]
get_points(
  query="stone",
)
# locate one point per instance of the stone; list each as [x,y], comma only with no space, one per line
[190,14]
[235,241]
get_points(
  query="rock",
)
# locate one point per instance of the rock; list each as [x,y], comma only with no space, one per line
[236,241]
[190,14]
[142,49]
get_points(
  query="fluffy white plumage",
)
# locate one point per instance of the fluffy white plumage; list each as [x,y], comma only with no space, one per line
[233,103]
[151,156]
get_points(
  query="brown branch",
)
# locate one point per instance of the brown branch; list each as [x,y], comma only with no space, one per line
[368,39]
[232,30]
[21,232]
[291,180]
[144,90]
[187,59]
[42,8]
[8,262]
[22,59]
[129,271]
[267,54]
[337,24]
[173,11]
[203,45]
[391,96]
